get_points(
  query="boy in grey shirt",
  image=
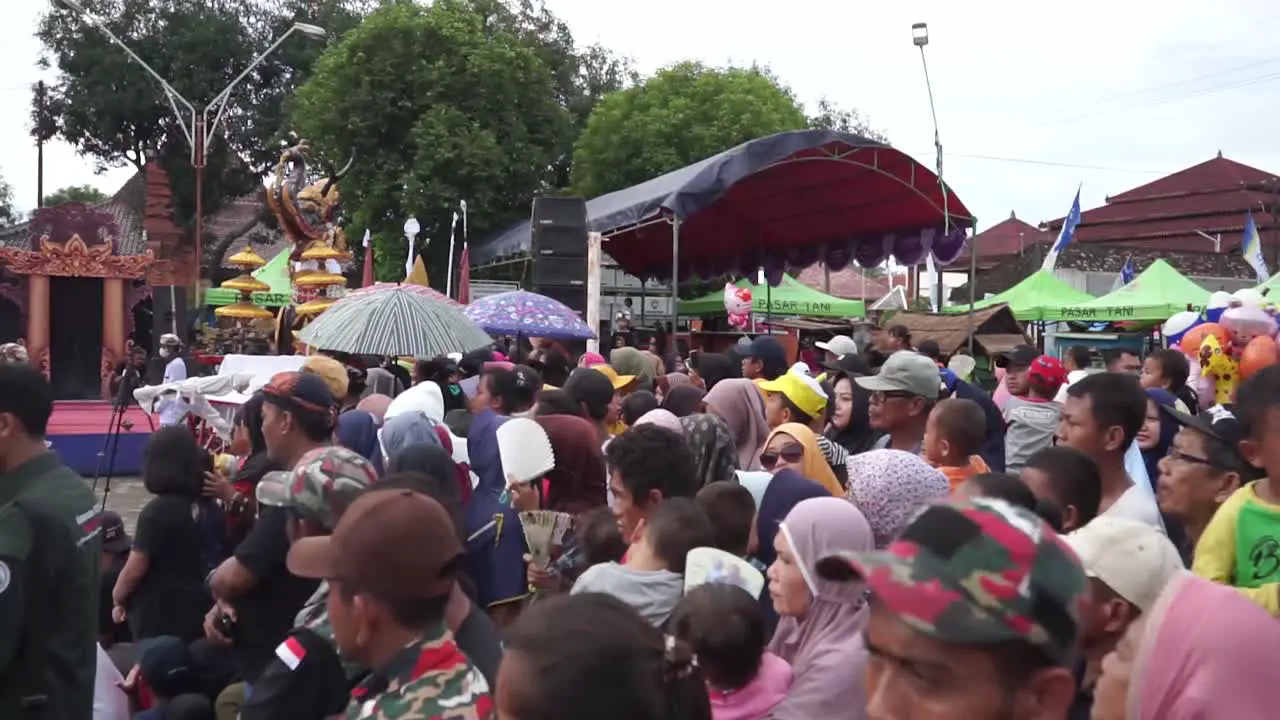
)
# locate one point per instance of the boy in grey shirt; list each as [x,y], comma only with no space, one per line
[1031,420]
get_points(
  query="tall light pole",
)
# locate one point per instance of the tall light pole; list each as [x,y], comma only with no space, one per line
[198,127]
[920,38]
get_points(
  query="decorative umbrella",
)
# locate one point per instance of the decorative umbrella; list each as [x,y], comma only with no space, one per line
[415,289]
[396,321]
[531,314]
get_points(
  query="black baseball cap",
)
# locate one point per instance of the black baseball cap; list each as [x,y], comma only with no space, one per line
[1220,423]
[768,351]
[115,539]
[852,365]
[1019,356]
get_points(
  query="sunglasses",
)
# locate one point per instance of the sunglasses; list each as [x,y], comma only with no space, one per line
[792,453]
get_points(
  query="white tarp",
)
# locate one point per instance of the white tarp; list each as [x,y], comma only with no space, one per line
[239,376]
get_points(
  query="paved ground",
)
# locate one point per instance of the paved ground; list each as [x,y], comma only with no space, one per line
[127,496]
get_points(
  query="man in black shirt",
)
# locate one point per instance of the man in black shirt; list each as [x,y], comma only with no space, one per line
[116,544]
[257,598]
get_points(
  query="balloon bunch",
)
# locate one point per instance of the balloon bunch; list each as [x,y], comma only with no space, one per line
[737,303]
[1232,339]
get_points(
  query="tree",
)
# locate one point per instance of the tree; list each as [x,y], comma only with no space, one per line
[461,99]
[8,213]
[114,112]
[831,117]
[679,116]
[75,193]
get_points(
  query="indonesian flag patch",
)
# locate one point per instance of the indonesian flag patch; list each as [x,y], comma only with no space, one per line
[291,653]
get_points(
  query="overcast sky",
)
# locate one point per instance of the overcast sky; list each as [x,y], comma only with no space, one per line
[1032,100]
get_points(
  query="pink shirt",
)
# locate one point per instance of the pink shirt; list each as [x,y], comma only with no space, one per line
[757,698]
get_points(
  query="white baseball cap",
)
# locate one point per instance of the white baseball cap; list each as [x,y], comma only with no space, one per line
[839,345]
[1133,558]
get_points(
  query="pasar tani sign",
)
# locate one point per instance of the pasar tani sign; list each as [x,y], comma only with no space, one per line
[780,306]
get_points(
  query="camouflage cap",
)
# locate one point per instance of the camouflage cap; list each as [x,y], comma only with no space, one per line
[323,483]
[974,573]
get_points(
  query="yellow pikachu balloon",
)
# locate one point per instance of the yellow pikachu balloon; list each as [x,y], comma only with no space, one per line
[1222,367]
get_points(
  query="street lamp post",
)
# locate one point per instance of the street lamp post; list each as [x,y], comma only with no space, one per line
[198,127]
[1215,239]
[411,230]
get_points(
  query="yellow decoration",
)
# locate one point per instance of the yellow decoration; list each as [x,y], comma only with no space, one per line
[320,251]
[318,278]
[246,284]
[315,307]
[247,259]
[1224,369]
[419,274]
[243,311]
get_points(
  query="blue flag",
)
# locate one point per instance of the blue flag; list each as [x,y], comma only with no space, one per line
[1251,249]
[1065,236]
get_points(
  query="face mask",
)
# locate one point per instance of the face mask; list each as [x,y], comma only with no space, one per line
[164,352]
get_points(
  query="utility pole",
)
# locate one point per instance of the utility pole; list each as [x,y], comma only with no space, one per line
[41,121]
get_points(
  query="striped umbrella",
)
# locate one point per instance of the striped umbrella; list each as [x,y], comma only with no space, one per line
[415,289]
[397,321]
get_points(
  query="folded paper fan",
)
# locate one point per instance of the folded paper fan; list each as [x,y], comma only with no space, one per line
[525,450]
[711,565]
[544,532]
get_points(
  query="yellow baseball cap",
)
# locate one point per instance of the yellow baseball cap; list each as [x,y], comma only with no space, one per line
[803,391]
[619,381]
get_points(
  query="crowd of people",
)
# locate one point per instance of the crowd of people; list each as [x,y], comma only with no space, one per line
[1079,543]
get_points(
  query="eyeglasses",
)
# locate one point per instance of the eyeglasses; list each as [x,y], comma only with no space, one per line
[879,397]
[792,453]
[1175,454]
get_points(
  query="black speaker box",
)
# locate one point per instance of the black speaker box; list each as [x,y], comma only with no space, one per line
[574,296]
[559,270]
[566,212]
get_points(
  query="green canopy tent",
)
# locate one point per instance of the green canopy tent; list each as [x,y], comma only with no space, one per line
[1157,293]
[1039,292]
[791,297]
[275,274]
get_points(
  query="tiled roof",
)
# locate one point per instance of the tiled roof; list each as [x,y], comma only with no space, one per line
[1008,238]
[1211,197]
[847,283]
[124,207]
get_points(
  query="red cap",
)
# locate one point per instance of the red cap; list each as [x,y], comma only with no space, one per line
[1048,371]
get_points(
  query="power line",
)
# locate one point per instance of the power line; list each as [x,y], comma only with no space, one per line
[1190,93]
[1128,94]
[1050,163]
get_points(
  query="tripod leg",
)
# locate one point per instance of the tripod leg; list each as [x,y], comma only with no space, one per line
[117,413]
[114,437]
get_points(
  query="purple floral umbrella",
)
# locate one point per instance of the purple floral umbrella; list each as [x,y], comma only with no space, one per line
[529,314]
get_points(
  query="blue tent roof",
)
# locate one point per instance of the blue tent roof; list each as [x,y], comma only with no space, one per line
[693,188]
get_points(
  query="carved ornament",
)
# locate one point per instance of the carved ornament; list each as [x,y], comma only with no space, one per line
[75,259]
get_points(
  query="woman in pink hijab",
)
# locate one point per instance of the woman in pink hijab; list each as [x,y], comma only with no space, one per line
[1204,651]
[820,632]
[741,405]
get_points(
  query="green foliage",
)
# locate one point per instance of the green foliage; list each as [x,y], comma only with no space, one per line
[681,115]
[829,116]
[8,213]
[112,110]
[462,99]
[75,193]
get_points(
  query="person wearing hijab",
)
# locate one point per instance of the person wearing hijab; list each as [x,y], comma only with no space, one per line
[577,483]
[890,487]
[741,405]
[495,542]
[1204,651]
[1156,434]
[820,631]
[661,418]
[850,424]
[714,454]
[684,400]
[425,397]
[358,431]
[376,405]
[794,446]
[628,361]
[708,369]
[430,459]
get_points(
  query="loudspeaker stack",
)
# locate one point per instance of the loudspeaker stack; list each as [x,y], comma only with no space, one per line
[559,249]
